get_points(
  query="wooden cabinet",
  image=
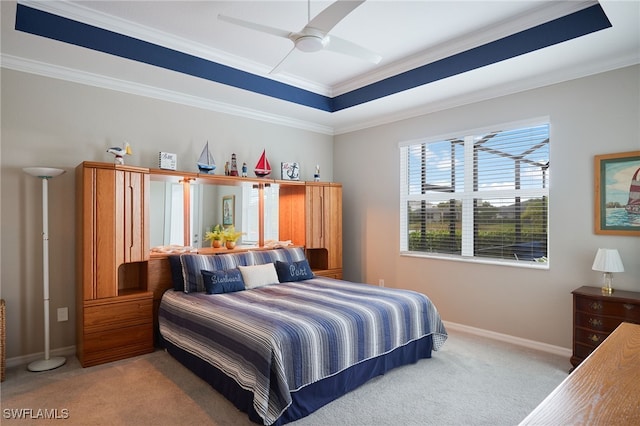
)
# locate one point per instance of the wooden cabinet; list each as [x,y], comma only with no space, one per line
[112,250]
[323,227]
[596,315]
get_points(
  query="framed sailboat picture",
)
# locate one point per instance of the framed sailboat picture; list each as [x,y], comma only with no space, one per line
[617,193]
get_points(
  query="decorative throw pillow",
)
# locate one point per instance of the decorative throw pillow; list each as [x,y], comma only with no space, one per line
[226,281]
[176,272]
[294,271]
[259,275]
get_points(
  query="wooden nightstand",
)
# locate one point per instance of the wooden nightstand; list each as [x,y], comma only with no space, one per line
[596,315]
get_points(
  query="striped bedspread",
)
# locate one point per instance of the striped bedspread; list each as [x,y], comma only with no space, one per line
[276,339]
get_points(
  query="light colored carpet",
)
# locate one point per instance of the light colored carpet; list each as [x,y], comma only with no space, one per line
[470,381]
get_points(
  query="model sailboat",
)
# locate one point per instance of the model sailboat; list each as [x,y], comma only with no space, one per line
[263,168]
[633,205]
[205,162]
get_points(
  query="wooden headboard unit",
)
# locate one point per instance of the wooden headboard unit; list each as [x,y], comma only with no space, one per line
[158,281]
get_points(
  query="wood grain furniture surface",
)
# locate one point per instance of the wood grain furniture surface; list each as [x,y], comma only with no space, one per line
[603,390]
[113,307]
[120,282]
[596,315]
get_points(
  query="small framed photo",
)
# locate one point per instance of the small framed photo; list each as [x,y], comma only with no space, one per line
[228,210]
[167,160]
[290,171]
[617,193]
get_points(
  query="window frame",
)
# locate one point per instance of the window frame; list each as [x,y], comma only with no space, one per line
[469,195]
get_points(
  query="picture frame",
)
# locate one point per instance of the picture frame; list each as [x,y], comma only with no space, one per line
[228,210]
[290,171]
[617,193]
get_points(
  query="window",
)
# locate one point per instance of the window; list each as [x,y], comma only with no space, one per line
[481,197]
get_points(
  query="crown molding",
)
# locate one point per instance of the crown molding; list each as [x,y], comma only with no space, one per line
[96,80]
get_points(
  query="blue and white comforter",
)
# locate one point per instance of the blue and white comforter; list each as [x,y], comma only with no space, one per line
[276,339]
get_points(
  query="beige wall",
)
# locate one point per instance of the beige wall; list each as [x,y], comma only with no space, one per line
[56,123]
[589,116]
[48,122]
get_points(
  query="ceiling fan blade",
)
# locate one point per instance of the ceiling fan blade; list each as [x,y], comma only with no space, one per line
[256,27]
[277,68]
[339,45]
[334,13]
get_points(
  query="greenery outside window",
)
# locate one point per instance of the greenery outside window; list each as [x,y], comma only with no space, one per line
[482,196]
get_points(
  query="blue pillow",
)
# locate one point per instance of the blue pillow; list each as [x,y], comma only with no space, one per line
[193,264]
[225,281]
[294,271]
[176,272]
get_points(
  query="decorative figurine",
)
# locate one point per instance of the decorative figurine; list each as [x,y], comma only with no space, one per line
[263,168]
[234,166]
[244,169]
[316,175]
[120,152]
[226,168]
[205,162]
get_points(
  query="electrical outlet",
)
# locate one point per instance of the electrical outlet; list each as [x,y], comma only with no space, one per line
[381,282]
[63,314]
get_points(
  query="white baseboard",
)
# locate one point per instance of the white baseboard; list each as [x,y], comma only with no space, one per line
[69,351]
[531,344]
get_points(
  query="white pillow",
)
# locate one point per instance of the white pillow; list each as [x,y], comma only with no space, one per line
[259,275]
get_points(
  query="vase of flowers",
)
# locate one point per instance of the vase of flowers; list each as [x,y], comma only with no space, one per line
[231,236]
[216,235]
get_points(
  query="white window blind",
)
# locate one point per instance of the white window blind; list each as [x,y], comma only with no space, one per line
[477,196]
[250,213]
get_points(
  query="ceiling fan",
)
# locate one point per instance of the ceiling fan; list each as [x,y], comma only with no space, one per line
[315,35]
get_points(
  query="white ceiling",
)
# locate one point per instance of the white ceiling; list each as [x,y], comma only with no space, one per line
[407,34]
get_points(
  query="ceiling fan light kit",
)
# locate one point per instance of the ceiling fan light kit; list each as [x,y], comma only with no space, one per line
[310,43]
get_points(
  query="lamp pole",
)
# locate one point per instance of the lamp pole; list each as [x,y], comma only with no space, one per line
[44,174]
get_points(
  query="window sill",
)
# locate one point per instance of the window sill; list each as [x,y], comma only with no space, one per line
[484,261]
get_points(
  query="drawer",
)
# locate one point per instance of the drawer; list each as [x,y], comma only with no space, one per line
[118,340]
[596,322]
[629,312]
[117,314]
[589,337]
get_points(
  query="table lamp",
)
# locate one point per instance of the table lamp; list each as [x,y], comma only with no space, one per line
[607,261]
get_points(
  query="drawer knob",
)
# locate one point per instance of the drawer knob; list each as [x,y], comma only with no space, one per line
[594,338]
[596,306]
[629,306]
[595,322]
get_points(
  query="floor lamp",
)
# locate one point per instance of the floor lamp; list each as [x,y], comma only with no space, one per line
[45,173]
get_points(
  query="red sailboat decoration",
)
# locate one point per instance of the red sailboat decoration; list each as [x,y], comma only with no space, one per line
[263,168]
[633,205]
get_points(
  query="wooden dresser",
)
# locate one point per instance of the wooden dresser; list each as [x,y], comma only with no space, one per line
[596,315]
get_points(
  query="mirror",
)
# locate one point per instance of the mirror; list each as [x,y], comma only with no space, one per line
[181,212]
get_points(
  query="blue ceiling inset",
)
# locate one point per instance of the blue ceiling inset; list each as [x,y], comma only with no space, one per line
[55,27]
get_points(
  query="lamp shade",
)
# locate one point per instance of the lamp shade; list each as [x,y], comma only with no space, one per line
[608,260]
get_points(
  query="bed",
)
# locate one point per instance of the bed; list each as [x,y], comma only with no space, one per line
[281,350]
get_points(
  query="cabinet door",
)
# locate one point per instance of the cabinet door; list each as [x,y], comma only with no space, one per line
[106,232]
[315,217]
[324,224]
[135,214]
[333,224]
